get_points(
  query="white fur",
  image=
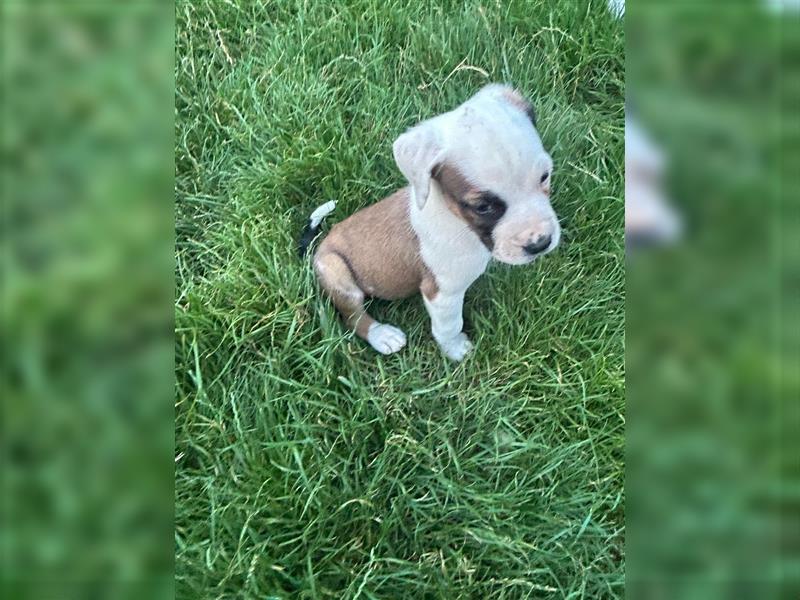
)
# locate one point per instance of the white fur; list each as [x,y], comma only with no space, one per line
[322,211]
[449,248]
[445,311]
[386,339]
[456,257]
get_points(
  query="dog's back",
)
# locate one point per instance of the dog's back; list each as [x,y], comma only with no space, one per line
[392,268]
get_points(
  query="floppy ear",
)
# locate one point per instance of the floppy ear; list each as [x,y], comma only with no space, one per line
[416,153]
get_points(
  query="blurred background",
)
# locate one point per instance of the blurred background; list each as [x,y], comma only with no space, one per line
[87,299]
[712,481]
[713,334]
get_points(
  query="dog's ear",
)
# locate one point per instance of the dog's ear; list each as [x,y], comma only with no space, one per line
[513,96]
[417,152]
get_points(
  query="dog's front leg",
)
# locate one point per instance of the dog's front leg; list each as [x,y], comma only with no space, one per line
[445,311]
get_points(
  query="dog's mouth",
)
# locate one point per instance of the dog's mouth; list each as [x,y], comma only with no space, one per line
[518,258]
[524,255]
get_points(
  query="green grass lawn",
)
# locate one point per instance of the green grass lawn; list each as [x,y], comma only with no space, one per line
[309,466]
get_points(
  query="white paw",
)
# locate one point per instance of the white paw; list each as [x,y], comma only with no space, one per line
[457,347]
[385,338]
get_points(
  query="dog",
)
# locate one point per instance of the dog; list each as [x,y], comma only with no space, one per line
[650,218]
[479,188]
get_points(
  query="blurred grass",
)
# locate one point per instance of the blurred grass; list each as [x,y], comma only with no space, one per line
[87,274]
[307,465]
[712,344]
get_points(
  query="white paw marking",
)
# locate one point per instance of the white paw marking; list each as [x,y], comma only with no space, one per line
[457,347]
[385,338]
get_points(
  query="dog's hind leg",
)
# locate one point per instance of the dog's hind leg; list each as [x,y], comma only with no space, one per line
[338,281]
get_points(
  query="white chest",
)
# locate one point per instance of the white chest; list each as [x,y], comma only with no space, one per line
[451,250]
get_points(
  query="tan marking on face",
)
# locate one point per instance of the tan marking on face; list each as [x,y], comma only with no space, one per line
[452,181]
[546,185]
[456,191]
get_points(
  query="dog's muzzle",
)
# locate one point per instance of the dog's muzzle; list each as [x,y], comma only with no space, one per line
[540,245]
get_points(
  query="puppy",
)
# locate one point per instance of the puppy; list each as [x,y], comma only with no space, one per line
[650,218]
[479,188]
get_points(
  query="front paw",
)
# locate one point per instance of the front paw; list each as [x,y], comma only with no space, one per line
[456,348]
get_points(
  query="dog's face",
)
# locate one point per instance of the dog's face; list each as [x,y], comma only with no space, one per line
[486,159]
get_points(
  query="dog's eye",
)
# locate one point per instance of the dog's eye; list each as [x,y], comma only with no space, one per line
[544,177]
[484,208]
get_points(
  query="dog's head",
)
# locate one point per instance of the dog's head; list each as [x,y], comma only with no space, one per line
[486,163]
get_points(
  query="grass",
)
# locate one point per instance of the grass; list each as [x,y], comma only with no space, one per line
[716,385]
[308,466]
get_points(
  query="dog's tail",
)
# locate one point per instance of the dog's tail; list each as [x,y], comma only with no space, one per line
[312,227]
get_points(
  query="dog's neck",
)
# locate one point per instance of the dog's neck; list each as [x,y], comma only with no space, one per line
[449,247]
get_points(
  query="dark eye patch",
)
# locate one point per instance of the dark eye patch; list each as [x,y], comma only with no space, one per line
[487,204]
[484,208]
[482,212]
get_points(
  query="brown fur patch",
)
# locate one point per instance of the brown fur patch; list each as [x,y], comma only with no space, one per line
[374,252]
[463,199]
[429,287]
[453,182]
[380,247]
[338,280]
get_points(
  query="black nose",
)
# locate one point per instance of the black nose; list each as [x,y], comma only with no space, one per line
[540,245]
